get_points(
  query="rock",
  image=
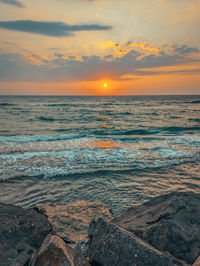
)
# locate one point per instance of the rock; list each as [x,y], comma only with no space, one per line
[197,262]
[22,232]
[71,221]
[112,245]
[53,252]
[169,222]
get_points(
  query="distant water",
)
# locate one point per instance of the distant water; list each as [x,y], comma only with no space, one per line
[118,149]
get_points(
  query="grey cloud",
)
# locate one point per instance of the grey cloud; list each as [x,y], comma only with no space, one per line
[55,29]
[12,2]
[184,49]
[14,67]
[155,73]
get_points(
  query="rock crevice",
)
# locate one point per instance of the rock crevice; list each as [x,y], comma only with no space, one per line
[162,231]
[165,216]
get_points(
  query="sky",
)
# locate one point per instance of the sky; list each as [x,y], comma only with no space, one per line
[74,47]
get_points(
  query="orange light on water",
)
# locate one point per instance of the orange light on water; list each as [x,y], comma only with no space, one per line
[105,144]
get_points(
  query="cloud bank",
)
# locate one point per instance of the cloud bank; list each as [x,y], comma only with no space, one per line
[64,68]
[54,29]
[12,3]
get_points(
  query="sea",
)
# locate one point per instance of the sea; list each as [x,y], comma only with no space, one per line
[121,150]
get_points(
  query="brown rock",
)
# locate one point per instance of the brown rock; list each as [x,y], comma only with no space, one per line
[169,222]
[71,221]
[54,252]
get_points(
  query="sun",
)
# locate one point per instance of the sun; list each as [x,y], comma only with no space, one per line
[104,87]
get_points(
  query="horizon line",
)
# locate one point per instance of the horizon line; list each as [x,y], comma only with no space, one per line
[98,95]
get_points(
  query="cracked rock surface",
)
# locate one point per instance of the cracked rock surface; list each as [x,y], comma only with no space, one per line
[53,252]
[112,245]
[22,232]
[169,223]
[57,234]
[71,221]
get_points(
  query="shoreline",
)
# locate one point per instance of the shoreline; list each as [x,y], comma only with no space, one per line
[163,231]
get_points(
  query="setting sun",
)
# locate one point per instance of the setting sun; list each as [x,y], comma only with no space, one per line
[105,87]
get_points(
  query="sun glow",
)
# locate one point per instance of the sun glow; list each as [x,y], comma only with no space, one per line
[104,87]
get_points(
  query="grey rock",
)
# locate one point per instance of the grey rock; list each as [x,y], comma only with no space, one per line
[54,252]
[80,255]
[169,222]
[71,221]
[22,232]
[112,245]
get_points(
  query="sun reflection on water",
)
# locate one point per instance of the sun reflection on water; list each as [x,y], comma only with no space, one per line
[106,144]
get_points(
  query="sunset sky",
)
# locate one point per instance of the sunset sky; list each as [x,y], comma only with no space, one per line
[61,47]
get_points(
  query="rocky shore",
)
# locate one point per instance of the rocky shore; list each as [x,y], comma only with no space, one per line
[162,231]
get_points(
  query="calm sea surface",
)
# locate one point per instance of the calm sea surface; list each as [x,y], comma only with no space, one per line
[121,150]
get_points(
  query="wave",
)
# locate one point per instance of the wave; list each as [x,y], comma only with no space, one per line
[6,104]
[115,134]
[44,118]
[77,173]
[47,104]
[94,173]
[151,131]
[194,120]
[125,133]
[42,104]
[40,138]
[61,104]
[198,101]
[61,130]
[127,137]
[174,129]
[192,102]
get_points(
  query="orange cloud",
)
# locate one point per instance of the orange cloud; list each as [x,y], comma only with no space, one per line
[122,51]
[129,76]
[39,60]
[109,44]
[188,40]
[144,46]
[193,69]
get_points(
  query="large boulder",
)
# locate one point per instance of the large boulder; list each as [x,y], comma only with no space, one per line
[112,245]
[169,222]
[22,232]
[71,221]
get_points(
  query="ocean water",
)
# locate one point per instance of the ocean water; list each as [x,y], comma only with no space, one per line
[121,150]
